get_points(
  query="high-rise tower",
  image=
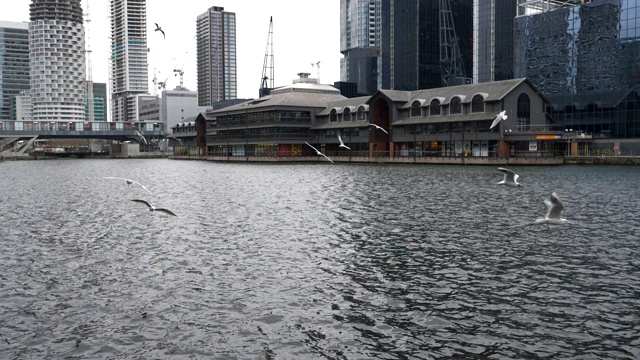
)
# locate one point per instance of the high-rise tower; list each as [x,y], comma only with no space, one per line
[57,60]
[14,65]
[129,72]
[493,40]
[360,42]
[216,55]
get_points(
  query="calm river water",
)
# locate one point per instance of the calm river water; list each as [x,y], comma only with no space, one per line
[316,261]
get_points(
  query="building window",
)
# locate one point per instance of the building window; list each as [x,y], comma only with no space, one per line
[477,104]
[346,114]
[333,116]
[524,112]
[415,109]
[434,107]
[361,113]
[455,107]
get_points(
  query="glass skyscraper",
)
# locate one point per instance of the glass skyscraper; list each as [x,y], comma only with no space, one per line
[406,44]
[216,56]
[493,40]
[585,58]
[14,65]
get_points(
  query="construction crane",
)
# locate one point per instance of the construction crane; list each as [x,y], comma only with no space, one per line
[317,65]
[266,81]
[181,72]
[452,67]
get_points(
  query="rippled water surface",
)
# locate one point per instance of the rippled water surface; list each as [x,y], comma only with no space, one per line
[316,261]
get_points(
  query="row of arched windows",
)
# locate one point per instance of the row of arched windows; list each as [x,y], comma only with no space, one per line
[348,114]
[455,105]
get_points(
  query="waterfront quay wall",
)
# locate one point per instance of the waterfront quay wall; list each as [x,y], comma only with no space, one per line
[382,160]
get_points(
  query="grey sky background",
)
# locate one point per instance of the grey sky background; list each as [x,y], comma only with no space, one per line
[304,32]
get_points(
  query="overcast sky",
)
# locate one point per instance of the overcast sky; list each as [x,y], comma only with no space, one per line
[304,32]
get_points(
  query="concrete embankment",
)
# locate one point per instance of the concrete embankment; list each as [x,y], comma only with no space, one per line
[602,160]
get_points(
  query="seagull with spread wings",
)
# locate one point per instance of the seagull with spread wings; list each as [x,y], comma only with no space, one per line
[342,145]
[554,210]
[158,28]
[129,182]
[319,153]
[501,116]
[153,208]
[510,178]
[379,127]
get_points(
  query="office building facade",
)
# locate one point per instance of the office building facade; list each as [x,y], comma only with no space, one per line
[584,57]
[129,72]
[99,102]
[57,60]
[216,56]
[406,44]
[14,65]
[360,42]
[493,40]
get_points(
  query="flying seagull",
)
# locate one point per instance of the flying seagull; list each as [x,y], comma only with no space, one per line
[500,117]
[342,143]
[379,127]
[153,208]
[142,137]
[555,207]
[158,28]
[129,182]
[318,152]
[510,178]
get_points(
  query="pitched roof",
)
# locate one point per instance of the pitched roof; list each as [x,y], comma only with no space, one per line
[342,103]
[297,95]
[491,91]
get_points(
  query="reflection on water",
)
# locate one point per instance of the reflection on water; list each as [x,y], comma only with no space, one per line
[316,261]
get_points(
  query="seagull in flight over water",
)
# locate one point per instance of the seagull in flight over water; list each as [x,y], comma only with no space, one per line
[500,117]
[555,207]
[342,143]
[379,127]
[129,182]
[318,152]
[158,28]
[142,137]
[153,208]
[510,178]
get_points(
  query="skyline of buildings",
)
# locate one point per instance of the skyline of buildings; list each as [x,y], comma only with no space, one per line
[216,56]
[57,60]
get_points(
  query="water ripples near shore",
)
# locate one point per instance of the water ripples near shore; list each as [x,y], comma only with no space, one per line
[316,261]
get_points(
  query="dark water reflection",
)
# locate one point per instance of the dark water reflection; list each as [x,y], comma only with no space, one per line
[316,262]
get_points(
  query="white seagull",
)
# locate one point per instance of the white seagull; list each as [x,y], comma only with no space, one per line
[342,143]
[153,208]
[500,117]
[158,28]
[129,182]
[318,152]
[555,207]
[510,178]
[379,127]
[141,137]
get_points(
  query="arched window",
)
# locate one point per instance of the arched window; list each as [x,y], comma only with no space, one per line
[455,107]
[477,104]
[434,107]
[333,117]
[415,109]
[361,113]
[524,112]
[346,114]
